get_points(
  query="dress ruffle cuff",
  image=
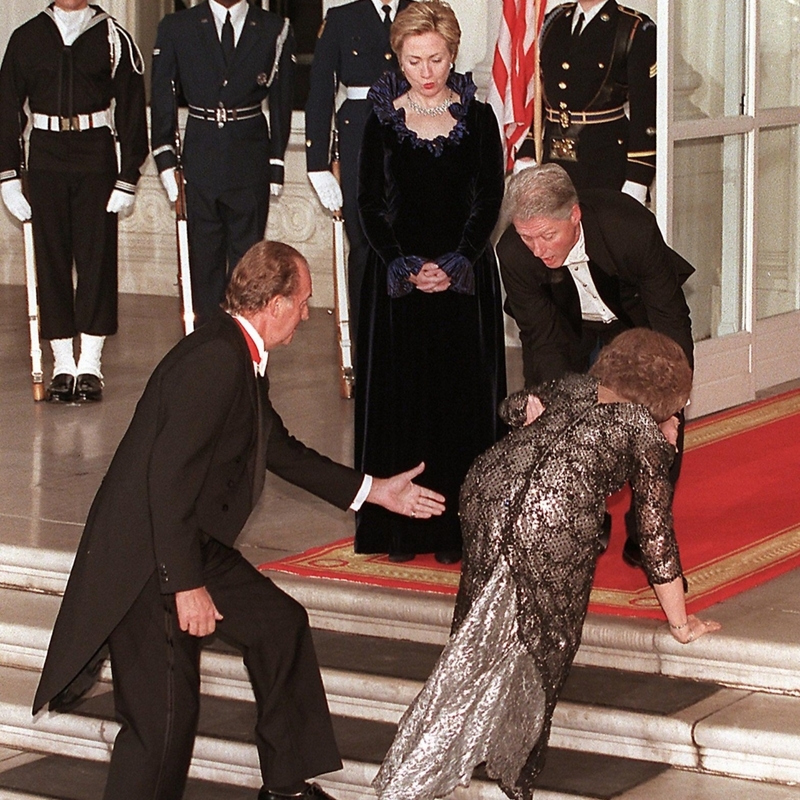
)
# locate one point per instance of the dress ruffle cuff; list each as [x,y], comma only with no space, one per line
[457,267]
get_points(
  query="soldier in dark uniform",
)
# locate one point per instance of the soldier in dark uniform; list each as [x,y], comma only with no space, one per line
[596,57]
[70,63]
[353,51]
[226,57]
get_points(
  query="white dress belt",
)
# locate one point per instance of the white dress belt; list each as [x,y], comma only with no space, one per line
[357,92]
[78,122]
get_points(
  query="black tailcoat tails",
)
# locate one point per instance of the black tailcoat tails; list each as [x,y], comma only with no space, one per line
[352,51]
[72,165]
[231,153]
[608,70]
[178,491]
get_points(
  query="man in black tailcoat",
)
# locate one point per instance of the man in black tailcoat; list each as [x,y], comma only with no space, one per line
[225,57]
[352,53]
[577,273]
[156,569]
[598,62]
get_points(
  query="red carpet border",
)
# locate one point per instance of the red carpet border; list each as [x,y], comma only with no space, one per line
[737,518]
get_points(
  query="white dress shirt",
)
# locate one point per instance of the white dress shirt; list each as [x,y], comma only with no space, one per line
[238,16]
[261,368]
[379,4]
[592,306]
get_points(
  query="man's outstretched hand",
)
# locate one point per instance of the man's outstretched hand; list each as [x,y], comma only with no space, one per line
[401,495]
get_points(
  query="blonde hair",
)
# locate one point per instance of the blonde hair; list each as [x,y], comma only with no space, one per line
[646,367]
[426,16]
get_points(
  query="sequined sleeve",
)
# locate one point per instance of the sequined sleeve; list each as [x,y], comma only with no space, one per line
[570,389]
[652,491]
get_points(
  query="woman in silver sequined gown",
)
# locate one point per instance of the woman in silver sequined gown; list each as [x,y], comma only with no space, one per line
[531,510]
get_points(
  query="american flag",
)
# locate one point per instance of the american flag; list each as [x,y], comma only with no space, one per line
[515,70]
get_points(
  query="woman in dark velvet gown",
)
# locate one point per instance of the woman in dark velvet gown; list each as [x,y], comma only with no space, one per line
[431,364]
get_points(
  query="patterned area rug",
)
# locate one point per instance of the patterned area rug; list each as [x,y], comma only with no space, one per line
[737,517]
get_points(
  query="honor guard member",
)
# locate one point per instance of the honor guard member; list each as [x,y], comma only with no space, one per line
[226,57]
[81,76]
[597,57]
[352,52]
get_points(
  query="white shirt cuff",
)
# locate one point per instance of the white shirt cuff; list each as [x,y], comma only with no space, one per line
[361,497]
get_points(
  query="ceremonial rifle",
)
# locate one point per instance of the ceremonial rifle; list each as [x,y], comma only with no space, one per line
[182,229]
[37,377]
[346,373]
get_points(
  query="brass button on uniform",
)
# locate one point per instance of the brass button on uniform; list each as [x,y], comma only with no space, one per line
[562,85]
[601,65]
[387,56]
[565,65]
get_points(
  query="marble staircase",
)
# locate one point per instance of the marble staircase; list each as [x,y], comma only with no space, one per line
[722,716]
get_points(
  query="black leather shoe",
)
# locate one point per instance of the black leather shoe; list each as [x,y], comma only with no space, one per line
[631,554]
[313,792]
[88,388]
[61,389]
[448,556]
[400,558]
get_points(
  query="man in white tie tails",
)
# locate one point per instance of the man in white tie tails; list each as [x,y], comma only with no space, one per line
[77,187]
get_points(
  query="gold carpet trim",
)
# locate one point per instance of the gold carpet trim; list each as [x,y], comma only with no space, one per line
[715,431]
[707,578]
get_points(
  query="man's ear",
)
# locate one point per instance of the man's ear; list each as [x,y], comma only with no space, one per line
[575,214]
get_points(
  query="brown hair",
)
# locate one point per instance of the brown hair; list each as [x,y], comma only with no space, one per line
[267,269]
[646,367]
[542,191]
[426,16]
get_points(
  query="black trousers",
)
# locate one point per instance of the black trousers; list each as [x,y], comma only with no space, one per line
[223,226]
[156,669]
[71,226]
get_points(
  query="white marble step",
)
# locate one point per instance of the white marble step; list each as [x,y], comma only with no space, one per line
[709,735]
[756,649]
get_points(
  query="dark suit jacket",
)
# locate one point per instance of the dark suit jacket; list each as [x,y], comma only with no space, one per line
[190,462]
[188,51]
[636,274]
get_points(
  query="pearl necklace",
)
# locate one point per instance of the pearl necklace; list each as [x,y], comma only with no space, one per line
[436,111]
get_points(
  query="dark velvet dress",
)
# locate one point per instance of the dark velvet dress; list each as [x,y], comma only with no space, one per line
[430,367]
[532,508]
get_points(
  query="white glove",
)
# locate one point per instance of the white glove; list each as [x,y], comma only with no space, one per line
[275,189]
[170,183]
[521,164]
[120,203]
[327,188]
[636,191]
[14,199]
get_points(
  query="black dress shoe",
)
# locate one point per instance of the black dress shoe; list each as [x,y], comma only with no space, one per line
[88,388]
[448,556]
[312,792]
[400,558]
[631,554]
[61,389]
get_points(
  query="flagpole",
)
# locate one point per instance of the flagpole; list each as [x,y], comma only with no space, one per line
[538,132]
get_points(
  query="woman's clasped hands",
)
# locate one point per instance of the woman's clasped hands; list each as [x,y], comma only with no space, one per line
[431,278]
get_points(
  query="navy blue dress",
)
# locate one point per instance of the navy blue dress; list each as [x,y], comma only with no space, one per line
[430,367]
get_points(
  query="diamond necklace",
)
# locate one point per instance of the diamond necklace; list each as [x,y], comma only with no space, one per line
[430,112]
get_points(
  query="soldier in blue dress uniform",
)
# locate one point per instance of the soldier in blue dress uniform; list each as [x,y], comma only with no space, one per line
[353,52]
[226,57]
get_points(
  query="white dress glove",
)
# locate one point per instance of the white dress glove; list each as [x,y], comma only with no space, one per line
[327,188]
[275,189]
[521,164]
[170,183]
[120,203]
[14,199]
[636,191]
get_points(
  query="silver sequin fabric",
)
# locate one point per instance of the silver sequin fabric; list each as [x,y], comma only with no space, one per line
[531,512]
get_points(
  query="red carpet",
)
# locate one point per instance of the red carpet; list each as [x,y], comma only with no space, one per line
[737,517]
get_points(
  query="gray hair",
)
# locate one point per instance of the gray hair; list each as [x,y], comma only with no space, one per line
[542,191]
